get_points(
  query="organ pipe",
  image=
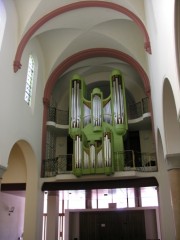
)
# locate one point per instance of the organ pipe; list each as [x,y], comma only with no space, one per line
[104,123]
[96,101]
[118,101]
[107,150]
[92,155]
[75,104]
[78,152]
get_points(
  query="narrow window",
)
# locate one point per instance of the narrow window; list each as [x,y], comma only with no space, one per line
[2,21]
[29,80]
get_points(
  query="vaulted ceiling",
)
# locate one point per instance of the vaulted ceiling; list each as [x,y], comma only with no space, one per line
[89,38]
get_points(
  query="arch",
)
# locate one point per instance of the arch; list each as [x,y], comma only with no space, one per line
[21,158]
[89,53]
[92,53]
[16,170]
[171,125]
[30,158]
[32,190]
[23,169]
[74,6]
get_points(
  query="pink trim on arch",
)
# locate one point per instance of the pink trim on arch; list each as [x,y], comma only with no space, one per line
[70,7]
[91,53]
[82,55]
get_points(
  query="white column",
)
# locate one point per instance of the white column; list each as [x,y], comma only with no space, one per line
[174,177]
[52,215]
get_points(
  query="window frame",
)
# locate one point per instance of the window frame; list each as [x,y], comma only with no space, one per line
[30,77]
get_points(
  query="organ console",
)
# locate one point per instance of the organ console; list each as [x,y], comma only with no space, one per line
[97,126]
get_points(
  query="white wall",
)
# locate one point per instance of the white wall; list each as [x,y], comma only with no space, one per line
[162,65]
[11,226]
[147,141]
[162,61]
[20,121]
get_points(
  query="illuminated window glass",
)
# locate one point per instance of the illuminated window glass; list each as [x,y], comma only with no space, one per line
[2,21]
[149,196]
[45,202]
[74,199]
[121,197]
[29,80]
[124,197]
[104,198]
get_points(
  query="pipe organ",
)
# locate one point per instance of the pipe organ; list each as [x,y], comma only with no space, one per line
[97,126]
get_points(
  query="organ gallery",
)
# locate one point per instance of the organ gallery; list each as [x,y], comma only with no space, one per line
[97,126]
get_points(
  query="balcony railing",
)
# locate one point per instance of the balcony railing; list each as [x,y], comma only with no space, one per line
[59,165]
[138,109]
[134,111]
[133,161]
[58,116]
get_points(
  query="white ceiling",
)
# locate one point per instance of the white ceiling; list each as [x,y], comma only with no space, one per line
[86,28]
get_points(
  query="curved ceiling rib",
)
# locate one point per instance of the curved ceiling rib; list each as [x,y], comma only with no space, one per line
[91,53]
[17,62]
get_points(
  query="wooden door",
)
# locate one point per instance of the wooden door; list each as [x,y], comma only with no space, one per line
[113,225]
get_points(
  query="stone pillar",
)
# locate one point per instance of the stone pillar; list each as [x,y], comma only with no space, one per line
[174,178]
[88,199]
[52,215]
[137,193]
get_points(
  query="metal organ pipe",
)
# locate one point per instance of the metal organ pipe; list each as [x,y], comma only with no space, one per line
[86,160]
[100,159]
[78,154]
[92,155]
[78,105]
[79,151]
[96,110]
[107,150]
[118,102]
[107,112]
[109,147]
[72,108]
[99,111]
[75,154]
[75,104]
[115,102]
[122,106]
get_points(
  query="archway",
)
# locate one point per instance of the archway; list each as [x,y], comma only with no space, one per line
[22,181]
[172,136]
[89,53]
[171,125]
